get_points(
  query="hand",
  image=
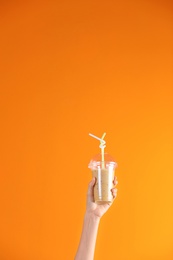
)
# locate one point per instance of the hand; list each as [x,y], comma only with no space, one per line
[94,208]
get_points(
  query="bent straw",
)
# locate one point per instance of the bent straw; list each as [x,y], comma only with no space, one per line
[100,139]
[102,145]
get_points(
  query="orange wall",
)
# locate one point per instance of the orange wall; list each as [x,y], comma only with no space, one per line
[69,68]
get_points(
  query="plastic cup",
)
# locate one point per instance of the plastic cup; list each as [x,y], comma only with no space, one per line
[103,171]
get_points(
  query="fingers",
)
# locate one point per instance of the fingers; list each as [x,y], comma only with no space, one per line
[115,182]
[90,193]
[114,192]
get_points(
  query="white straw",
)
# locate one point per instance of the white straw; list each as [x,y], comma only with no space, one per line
[101,140]
[102,146]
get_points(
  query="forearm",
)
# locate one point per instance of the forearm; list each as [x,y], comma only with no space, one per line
[88,238]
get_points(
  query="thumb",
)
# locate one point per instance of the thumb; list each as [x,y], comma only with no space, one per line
[91,189]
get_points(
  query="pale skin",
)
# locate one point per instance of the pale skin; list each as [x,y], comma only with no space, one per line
[92,217]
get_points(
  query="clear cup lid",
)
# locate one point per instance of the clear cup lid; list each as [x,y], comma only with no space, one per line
[96,161]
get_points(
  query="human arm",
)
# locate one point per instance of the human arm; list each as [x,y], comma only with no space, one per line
[92,217]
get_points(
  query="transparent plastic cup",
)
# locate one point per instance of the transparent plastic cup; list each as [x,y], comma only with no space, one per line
[104,172]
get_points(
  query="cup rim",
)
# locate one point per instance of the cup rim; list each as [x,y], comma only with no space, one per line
[93,164]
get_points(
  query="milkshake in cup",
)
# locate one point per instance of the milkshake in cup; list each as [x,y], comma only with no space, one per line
[103,168]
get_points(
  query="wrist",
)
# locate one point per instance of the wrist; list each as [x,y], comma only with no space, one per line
[91,216]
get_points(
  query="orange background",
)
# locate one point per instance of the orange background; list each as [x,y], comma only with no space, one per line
[69,68]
